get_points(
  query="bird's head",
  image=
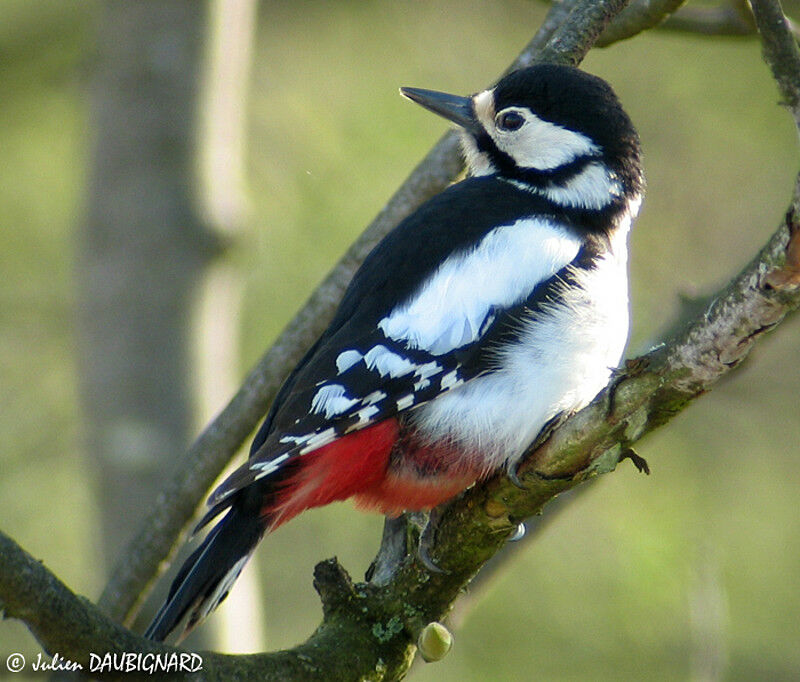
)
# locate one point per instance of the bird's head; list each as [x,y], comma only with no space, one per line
[552,128]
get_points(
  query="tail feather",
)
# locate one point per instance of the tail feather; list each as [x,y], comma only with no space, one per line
[351,464]
[208,574]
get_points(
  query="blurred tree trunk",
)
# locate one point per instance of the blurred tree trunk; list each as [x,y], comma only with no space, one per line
[222,198]
[141,254]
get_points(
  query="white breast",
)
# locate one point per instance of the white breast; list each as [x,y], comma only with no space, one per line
[559,362]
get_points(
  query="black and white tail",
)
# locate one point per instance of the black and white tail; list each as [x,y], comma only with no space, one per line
[208,574]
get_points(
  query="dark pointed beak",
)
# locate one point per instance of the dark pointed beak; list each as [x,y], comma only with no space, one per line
[452,107]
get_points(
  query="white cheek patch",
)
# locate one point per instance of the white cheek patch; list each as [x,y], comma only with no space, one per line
[452,306]
[542,145]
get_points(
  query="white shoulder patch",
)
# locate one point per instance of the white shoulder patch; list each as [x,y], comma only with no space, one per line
[451,307]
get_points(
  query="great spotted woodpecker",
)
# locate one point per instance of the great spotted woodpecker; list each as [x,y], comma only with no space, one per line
[497,306]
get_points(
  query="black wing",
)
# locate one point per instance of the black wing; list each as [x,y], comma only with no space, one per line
[357,375]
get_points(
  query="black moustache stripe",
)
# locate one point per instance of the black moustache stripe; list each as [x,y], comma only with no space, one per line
[507,167]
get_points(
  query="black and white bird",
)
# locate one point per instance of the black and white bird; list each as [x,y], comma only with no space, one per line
[497,306]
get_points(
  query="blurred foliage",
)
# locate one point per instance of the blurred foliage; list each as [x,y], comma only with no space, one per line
[641,578]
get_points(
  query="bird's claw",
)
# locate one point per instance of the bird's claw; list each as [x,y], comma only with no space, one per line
[513,476]
[426,539]
[638,461]
[519,533]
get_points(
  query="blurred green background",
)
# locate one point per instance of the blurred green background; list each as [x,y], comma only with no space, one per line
[691,573]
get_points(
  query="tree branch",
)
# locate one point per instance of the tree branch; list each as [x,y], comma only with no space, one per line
[59,619]
[730,19]
[639,16]
[72,627]
[780,51]
[576,35]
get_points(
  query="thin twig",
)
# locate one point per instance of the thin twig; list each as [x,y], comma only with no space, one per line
[780,51]
[731,19]
[573,39]
[639,16]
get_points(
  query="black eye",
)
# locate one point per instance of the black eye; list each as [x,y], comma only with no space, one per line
[509,120]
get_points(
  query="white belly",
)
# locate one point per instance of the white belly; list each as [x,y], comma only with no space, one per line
[558,364]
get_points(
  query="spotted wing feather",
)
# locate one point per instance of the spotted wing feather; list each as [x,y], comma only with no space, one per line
[376,387]
[413,322]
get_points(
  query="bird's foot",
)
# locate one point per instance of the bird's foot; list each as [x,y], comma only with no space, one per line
[638,461]
[518,534]
[427,538]
[513,476]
